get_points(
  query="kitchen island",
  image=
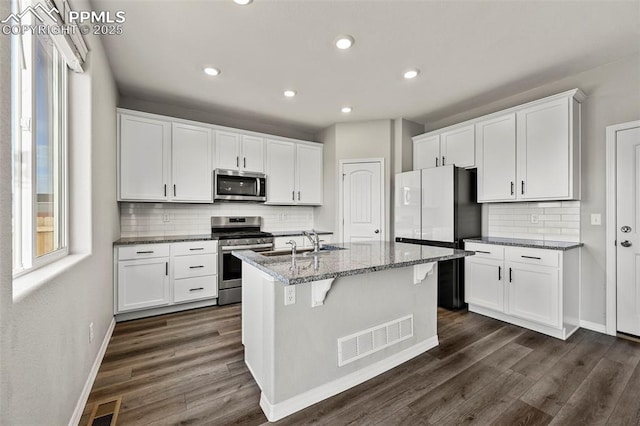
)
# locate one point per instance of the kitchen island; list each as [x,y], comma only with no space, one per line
[317,324]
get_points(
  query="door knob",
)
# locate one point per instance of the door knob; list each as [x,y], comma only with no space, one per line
[377,231]
[626,243]
[625,229]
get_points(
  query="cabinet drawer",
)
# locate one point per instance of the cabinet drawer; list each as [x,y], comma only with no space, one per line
[189,289]
[194,247]
[145,251]
[533,256]
[486,251]
[195,266]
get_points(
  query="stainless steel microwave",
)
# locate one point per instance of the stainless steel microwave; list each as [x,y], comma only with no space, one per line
[232,185]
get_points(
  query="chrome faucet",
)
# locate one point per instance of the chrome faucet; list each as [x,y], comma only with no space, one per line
[293,247]
[314,238]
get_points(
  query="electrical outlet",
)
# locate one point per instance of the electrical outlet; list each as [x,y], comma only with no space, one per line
[91,333]
[289,295]
[535,218]
[165,218]
[596,219]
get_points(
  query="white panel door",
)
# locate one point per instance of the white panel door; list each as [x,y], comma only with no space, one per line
[143,284]
[458,147]
[362,202]
[426,152]
[191,167]
[227,150]
[281,158]
[496,158]
[309,174]
[437,204]
[144,158]
[483,279]
[544,151]
[252,154]
[407,205]
[533,293]
[628,230]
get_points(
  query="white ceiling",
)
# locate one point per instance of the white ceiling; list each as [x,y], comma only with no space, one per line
[475,50]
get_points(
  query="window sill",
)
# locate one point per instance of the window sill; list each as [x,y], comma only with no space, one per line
[26,284]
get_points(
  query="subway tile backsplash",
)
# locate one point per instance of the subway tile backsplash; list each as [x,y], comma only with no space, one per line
[148,219]
[557,220]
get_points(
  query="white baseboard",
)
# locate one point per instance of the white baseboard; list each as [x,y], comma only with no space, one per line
[282,409]
[593,326]
[84,396]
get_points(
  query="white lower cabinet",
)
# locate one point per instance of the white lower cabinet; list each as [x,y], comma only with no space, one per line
[151,276]
[533,288]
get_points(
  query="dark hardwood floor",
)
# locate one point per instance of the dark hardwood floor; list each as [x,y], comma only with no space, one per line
[187,368]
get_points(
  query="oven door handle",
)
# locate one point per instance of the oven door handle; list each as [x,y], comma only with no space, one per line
[246,247]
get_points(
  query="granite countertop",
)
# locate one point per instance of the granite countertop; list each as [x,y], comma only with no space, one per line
[518,242]
[347,259]
[296,233]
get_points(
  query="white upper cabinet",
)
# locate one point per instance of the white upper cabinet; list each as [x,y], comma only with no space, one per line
[426,152]
[191,165]
[294,173]
[457,147]
[496,151]
[309,174]
[549,150]
[144,150]
[281,157]
[239,152]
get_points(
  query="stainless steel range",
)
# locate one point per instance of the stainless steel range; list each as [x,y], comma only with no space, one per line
[236,233]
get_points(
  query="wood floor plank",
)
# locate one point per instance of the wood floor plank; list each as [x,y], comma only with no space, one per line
[522,414]
[597,396]
[188,368]
[627,410]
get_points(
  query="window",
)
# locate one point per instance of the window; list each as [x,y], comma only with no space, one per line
[39,113]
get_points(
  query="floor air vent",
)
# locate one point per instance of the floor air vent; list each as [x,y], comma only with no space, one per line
[366,342]
[105,413]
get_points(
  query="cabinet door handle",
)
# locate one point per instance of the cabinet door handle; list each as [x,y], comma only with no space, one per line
[483,252]
[196,248]
[196,267]
[144,252]
[196,289]
[237,161]
[522,187]
[443,160]
[510,277]
[436,161]
[165,189]
[499,273]
[512,185]
[244,162]
[293,195]
[174,189]
[166,268]
[298,195]
[531,257]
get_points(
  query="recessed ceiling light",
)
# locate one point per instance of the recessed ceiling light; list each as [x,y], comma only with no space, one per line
[211,71]
[344,42]
[346,109]
[411,74]
[289,93]
[242,2]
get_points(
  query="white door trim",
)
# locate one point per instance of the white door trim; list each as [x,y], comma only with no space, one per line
[383,222]
[611,284]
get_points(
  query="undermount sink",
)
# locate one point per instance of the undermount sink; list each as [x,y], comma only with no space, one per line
[307,251]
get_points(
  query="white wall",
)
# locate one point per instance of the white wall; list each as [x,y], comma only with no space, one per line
[613,96]
[45,350]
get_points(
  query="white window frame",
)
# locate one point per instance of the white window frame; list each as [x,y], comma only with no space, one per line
[25,204]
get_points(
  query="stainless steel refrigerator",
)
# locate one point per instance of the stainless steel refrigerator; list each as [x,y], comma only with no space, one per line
[438,206]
